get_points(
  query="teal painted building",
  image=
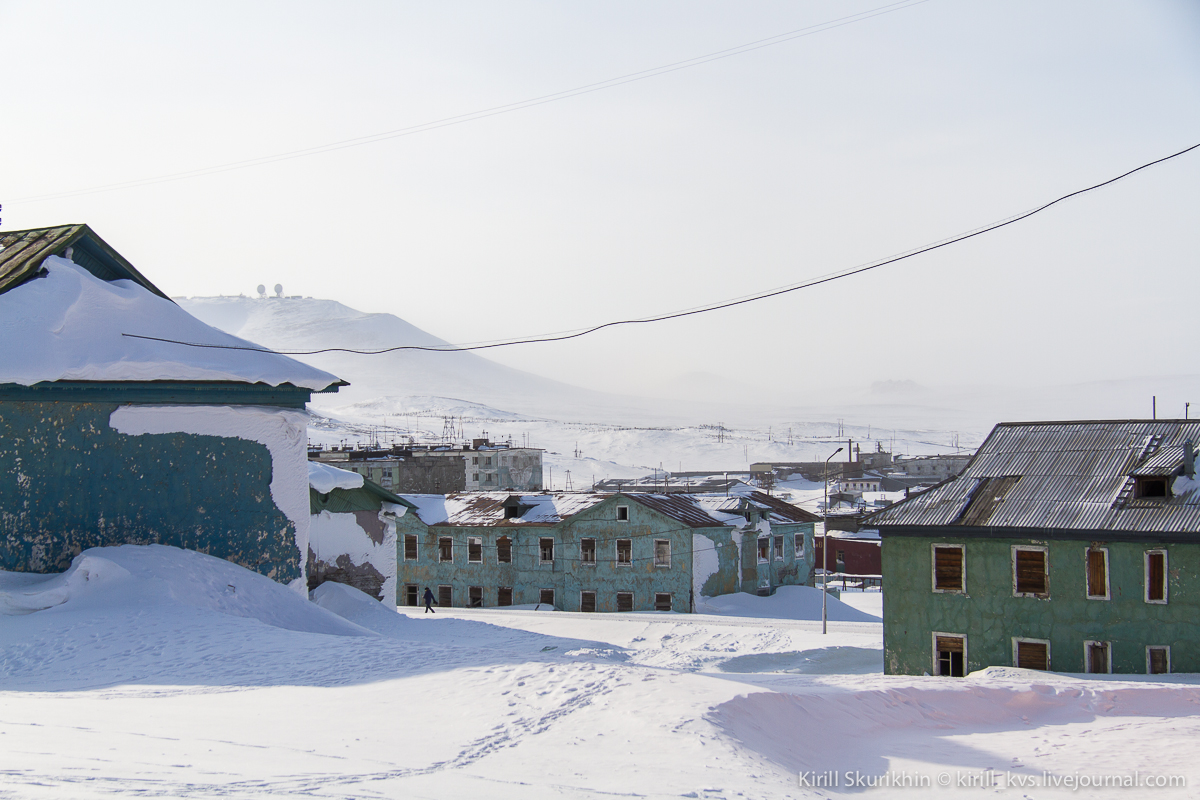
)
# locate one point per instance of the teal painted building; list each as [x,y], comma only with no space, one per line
[123,419]
[1070,546]
[599,552]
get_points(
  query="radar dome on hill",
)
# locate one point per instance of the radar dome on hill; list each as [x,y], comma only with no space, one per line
[279,290]
[262,291]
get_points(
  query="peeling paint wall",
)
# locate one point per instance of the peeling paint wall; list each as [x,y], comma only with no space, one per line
[70,481]
[357,548]
[990,616]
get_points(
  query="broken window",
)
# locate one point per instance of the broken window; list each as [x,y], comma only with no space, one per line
[662,553]
[475,596]
[1156,576]
[546,550]
[445,549]
[504,596]
[587,601]
[1031,654]
[546,597]
[798,545]
[410,594]
[662,601]
[1097,573]
[474,550]
[410,547]
[1158,660]
[624,601]
[779,548]
[622,513]
[445,596]
[1029,571]
[587,551]
[624,552]
[1097,658]
[951,654]
[764,550]
[948,568]
[504,550]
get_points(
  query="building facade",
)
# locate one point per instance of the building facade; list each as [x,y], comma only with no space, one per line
[442,469]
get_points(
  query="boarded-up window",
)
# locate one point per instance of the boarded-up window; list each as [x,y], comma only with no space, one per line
[1097,572]
[764,549]
[662,601]
[587,601]
[587,551]
[546,550]
[445,596]
[504,596]
[662,553]
[624,601]
[951,651]
[475,596]
[1097,658]
[1030,566]
[779,548]
[475,550]
[624,552]
[410,594]
[410,547]
[504,550]
[445,549]
[948,568]
[1033,655]
[1156,576]
[1158,660]
[546,597]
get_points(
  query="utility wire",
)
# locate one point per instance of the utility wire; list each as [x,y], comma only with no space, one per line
[487,112]
[691,312]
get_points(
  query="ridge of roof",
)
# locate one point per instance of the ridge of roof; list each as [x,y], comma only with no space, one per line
[24,251]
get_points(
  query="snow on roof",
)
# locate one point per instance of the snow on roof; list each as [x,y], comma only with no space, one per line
[67,326]
[325,478]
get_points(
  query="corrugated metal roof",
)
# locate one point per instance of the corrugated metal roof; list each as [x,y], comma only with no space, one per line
[24,251]
[683,508]
[1066,475]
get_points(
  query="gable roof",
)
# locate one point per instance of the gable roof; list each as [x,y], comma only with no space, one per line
[24,251]
[1064,476]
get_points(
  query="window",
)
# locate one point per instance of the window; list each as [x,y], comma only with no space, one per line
[662,553]
[624,552]
[445,549]
[622,513]
[504,596]
[546,597]
[474,550]
[1097,573]
[662,601]
[475,596]
[410,547]
[764,550]
[1031,653]
[799,545]
[587,601]
[587,551]
[949,654]
[410,594]
[546,550]
[1156,576]
[948,568]
[779,548]
[1158,660]
[1097,658]
[504,550]
[488,478]
[624,601]
[445,596]
[1150,488]
[487,462]
[475,477]
[475,461]
[1029,572]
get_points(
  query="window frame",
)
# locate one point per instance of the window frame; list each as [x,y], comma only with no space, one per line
[542,595]
[630,595]
[622,513]
[470,601]
[583,592]
[500,590]
[1087,657]
[670,601]
[414,591]
[764,549]
[777,547]
[1087,574]
[584,560]
[508,541]
[542,551]
[416,546]
[658,563]
[1166,572]
[442,540]
[1165,647]
[1045,551]
[1017,640]
[936,666]
[472,543]
[962,567]
[798,545]
[617,553]
[449,591]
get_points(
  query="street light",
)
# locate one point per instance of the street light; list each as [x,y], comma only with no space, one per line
[825,546]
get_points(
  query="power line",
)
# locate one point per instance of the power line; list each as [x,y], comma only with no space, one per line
[691,312]
[472,116]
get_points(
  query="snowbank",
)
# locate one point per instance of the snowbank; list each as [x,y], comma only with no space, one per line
[325,478]
[788,602]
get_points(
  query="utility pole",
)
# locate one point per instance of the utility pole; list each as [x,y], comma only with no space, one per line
[825,546]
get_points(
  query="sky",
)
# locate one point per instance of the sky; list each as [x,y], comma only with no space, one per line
[743,174]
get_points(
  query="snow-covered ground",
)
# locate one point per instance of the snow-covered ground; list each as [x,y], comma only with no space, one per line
[155,672]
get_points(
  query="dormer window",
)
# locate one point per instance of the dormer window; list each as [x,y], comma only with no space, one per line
[1151,488]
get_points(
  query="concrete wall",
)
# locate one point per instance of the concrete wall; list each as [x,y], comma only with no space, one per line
[763,577]
[990,615]
[70,481]
[357,548]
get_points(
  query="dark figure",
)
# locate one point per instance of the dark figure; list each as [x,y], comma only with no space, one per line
[429,601]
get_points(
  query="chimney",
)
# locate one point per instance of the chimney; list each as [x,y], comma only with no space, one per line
[1189,459]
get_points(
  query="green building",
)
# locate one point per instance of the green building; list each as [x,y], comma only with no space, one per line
[599,552]
[1072,546]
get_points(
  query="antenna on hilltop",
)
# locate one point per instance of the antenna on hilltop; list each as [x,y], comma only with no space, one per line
[262,291]
[279,290]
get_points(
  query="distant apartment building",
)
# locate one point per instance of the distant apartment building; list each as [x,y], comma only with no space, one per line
[441,469]
[936,467]
[502,467]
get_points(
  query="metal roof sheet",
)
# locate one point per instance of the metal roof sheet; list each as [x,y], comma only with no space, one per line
[22,254]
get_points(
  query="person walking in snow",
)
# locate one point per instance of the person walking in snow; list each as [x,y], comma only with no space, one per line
[429,601]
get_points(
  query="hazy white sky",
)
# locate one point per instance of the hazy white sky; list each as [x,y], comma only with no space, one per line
[704,184]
